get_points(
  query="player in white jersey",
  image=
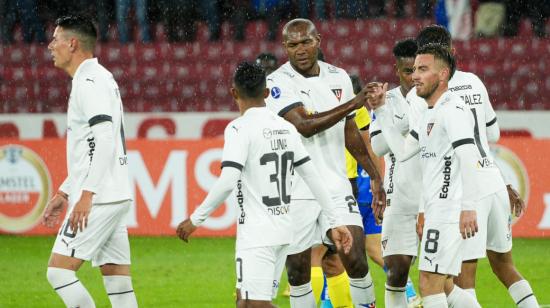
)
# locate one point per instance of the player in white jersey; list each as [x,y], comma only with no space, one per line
[497,199]
[448,164]
[317,98]
[399,239]
[97,188]
[260,155]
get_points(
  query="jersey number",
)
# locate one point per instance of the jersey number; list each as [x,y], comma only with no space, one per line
[431,241]
[476,135]
[352,204]
[286,162]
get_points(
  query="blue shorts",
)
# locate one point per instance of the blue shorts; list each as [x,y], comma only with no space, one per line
[369,223]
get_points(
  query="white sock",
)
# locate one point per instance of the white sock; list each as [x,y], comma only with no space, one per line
[472,292]
[120,291]
[460,298]
[395,297]
[435,301]
[362,291]
[523,295]
[302,296]
[69,288]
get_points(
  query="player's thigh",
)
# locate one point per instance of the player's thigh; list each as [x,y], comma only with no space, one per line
[258,271]
[399,235]
[441,248]
[66,262]
[499,226]
[85,245]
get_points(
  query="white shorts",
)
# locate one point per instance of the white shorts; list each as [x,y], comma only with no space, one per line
[399,235]
[259,271]
[306,232]
[347,209]
[104,240]
[441,248]
[494,220]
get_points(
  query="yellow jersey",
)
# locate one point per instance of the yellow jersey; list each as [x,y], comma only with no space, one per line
[362,119]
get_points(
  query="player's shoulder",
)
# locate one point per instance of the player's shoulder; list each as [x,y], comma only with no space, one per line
[235,126]
[395,94]
[333,70]
[463,81]
[93,73]
[452,101]
[284,73]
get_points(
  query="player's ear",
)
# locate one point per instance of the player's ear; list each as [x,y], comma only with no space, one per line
[234,93]
[266,93]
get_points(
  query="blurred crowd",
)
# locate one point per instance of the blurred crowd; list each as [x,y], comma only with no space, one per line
[180,17]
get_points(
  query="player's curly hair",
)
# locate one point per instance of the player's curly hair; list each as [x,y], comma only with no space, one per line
[434,34]
[249,79]
[405,49]
[82,26]
[441,53]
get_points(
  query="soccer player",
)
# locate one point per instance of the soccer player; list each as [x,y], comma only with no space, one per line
[268,62]
[399,239]
[260,154]
[97,188]
[317,98]
[498,200]
[448,163]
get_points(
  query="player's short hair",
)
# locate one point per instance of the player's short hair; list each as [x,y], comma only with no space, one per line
[249,79]
[441,53]
[434,34]
[266,56]
[405,49]
[82,26]
[356,83]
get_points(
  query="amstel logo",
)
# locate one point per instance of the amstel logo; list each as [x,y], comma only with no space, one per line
[513,170]
[25,188]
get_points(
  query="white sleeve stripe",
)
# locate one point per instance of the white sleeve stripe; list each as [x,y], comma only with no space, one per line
[99,119]
[228,163]
[288,108]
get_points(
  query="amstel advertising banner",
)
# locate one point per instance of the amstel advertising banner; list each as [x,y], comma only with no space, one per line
[171,178]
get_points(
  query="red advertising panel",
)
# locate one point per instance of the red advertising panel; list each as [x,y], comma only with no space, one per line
[171,178]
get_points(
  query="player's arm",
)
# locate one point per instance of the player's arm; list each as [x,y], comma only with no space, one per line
[357,148]
[377,140]
[491,123]
[306,169]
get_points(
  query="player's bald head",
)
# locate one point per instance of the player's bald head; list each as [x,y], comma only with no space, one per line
[299,25]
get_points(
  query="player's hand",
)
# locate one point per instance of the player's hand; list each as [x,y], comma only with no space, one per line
[53,210]
[420,225]
[79,216]
[378,199]
[468,224]
[185,229]
[360,98]
[376,94]
[342,238]
[517,206]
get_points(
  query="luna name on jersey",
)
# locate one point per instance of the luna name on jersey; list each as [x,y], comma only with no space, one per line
[474,99]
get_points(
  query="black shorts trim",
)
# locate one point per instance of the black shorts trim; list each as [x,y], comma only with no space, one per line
[374,133]
[493,121]
[100,118]
[288,108]
[63,286]
[414,134]
[228,163]
[302,161]
[464,141]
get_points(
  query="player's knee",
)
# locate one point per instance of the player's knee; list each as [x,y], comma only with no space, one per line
[397,276]
[297,273]
[356,265]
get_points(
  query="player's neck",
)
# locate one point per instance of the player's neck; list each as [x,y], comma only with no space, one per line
[403,90]
[76,62]
[245,105]
[315,70]
[432,100]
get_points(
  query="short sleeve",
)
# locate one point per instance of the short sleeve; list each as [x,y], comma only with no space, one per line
[282,95]
[458,124]
[95,97]
[490,115]
[235,148]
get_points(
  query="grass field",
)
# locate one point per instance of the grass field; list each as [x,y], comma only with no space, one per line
[169,273]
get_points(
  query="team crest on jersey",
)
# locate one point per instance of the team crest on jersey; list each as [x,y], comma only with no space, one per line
[338,93]
[275,92]
[430,126]
[384,243]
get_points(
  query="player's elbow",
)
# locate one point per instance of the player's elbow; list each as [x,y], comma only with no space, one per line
[305,130]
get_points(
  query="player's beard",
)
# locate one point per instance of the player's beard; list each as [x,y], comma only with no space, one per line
[428,92]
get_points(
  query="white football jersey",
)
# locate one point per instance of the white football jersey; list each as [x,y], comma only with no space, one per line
[441,129]
[400,178]
[266,149]
[95,98]
[473,93]
[289,89]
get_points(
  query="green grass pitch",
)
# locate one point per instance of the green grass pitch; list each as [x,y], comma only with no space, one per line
[169,273]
